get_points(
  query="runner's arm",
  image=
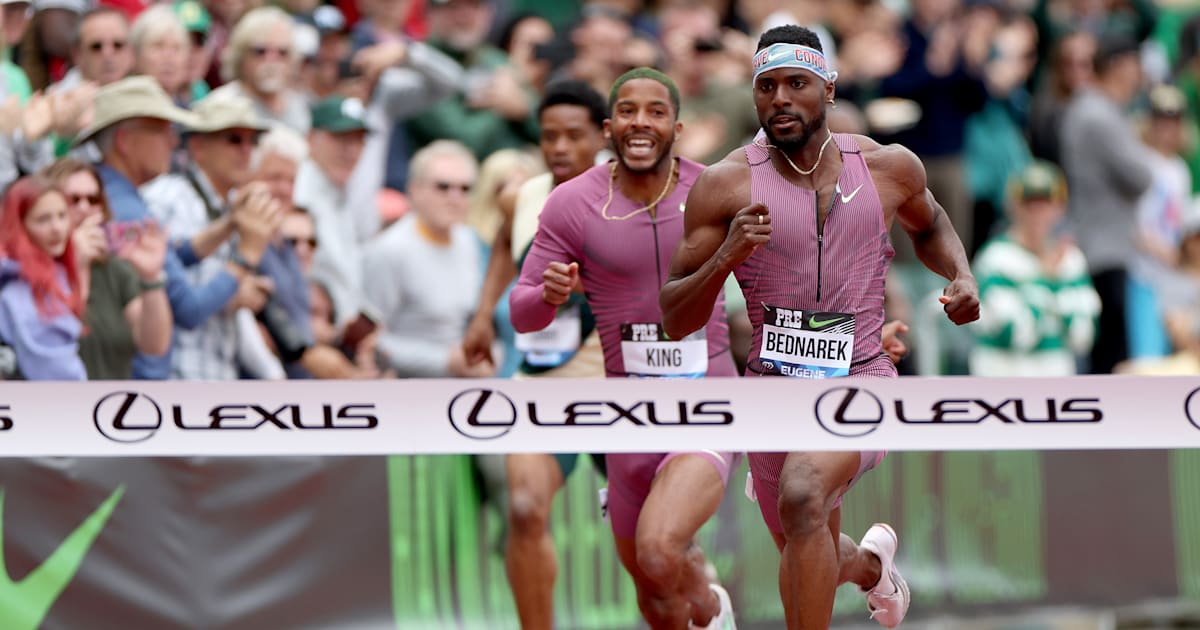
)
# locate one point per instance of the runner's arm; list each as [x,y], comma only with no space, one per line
[559,239]
[936,243]
[707,254]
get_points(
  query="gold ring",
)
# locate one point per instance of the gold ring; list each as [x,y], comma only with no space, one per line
[760,219]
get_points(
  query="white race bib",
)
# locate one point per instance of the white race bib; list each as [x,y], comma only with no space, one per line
[554,344]
[806,344]
[646,351]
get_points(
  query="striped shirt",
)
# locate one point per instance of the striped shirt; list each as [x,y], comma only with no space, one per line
[840,268]
[623,263]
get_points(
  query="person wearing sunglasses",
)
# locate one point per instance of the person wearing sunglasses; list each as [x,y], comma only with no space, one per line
[215,221]
[120,267]
[423,273]
[262,63]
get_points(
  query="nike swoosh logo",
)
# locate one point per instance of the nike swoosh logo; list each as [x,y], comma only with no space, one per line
[818,324]
[846,198]
[681,207]
[24,604]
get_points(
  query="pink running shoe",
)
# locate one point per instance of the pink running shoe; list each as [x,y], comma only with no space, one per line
[888,601]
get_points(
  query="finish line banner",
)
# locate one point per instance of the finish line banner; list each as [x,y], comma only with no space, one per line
[177,418]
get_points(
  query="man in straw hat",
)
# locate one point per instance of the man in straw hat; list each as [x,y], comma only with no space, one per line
[132,127]
[216,223]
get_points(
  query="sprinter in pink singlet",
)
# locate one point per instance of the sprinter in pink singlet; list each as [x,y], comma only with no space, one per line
[801,217]
[613,229]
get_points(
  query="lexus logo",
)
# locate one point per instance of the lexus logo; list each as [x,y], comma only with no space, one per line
[482,414]
[849,411]
[127,417]
[1191,407]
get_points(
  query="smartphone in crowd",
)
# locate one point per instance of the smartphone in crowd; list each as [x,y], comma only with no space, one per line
[121,233]
[356,331]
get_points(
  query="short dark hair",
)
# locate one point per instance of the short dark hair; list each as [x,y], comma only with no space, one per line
[1110,49]
[644,73]
[574,92]
[789,34]
[77,34]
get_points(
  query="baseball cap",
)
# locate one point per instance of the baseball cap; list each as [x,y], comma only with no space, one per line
[338,114]
[1039,180]
[1167,101]
[327,19]
[195,18]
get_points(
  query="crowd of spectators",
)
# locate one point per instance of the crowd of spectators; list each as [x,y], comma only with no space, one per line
[224,189]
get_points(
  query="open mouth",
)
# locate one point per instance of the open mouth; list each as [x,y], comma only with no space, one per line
[640,147]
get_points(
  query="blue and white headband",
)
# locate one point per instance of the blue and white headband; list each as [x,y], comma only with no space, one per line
[793,56]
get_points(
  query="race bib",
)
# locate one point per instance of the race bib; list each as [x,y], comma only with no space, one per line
[554,344]
[806,344]
[647,352]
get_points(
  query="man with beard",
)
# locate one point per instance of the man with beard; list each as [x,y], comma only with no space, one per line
[613,228]
[804,227]
[260,63]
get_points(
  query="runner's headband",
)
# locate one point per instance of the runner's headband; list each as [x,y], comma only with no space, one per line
[792,56]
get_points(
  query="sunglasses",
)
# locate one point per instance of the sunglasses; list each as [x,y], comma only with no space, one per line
[293,241]
[239,139]
[75,200]
[263,51]
[117,45]
[447,186]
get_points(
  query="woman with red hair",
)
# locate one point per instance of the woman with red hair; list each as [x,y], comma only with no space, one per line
[41,304]
[126,309]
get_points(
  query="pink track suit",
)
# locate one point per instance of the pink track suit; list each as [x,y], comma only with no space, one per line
[623,264]
[820,278]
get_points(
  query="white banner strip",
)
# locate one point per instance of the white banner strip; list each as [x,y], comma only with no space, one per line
[176,418]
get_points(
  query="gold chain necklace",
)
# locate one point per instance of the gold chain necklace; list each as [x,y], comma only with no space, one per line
[810,171]
[612,179]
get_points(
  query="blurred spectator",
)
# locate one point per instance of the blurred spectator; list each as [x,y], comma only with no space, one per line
[1037,305]
[423,273]
[13,24]
[1131,20]
[382,21]
[335,146]
[995,144]
[598,42]
[102,51]
[45,51]
[1107,171]
[225,14]
[327,55]
[132,129]
[500,177]
[201,209]
[197,21]
[527,39]
[504,169]
[942,73]
[1181,301]
[404,79]
[494,110]
[260,63]
[161,47]
[41,302]
[718,115]
[18,151]
[1071,68]
[1159,220]
[121,269]
[287,261]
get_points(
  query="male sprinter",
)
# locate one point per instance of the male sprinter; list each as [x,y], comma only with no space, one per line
[571,115]
[801,217]
[614,228]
